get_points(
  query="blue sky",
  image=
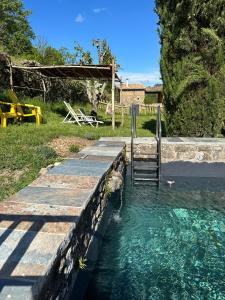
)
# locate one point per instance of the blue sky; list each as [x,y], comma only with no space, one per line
[130,27]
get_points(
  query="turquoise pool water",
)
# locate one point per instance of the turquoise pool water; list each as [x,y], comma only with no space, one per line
[166,243]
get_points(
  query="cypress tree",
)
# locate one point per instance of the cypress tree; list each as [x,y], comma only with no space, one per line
[192,35]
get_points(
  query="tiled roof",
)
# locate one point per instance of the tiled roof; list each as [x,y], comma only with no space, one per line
[156,88]
[133,87]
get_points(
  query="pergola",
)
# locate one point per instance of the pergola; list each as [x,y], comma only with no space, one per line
[75,72]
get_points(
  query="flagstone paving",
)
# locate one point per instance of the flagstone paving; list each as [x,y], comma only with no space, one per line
[35,221]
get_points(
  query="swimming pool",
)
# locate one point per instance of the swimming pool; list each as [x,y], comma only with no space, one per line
[165,243]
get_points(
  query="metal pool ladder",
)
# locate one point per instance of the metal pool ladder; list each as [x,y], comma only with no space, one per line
[145,169]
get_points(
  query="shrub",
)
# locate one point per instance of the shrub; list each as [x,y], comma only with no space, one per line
[46,153]
[74,148]
[89,136]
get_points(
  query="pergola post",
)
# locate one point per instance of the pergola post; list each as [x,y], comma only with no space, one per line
[44,89]
[10,73]
[113,94]
[121,103]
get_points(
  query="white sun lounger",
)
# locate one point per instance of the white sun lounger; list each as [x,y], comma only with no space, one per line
[81,118]
[71,116]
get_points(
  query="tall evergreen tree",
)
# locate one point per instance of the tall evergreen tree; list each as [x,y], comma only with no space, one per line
[192,34]
[15,30]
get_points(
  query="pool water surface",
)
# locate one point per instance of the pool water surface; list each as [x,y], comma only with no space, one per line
[166,243]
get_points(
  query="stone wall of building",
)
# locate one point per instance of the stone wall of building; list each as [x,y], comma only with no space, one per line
[132,96]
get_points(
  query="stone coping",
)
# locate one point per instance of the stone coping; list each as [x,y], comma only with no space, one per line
[166,140]
[36,221]
[177,148]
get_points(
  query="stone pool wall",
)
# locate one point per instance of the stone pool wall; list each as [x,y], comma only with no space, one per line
[47,227]
[59,283]
[179,148]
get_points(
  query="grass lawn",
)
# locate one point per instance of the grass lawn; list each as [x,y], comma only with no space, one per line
[24,150]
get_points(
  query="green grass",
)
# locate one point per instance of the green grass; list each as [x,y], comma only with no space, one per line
[23,150]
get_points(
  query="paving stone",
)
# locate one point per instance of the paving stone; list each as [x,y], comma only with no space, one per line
[101,151]
[82,163]
[127,140]
[66,182]
[100,158]
[52,196]
[47,218]
[16,289]
[80,168]
[26,253]
[109,144]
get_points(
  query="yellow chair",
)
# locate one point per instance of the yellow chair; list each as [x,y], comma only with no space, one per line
[18,110]
[6,115]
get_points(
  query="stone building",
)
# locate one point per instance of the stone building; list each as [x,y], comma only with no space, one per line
[136,93]
[132,93]
[155,91]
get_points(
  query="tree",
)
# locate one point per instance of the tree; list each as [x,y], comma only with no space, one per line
[192,64]
[82,57]
[94,89]
[15,31]
[105,55]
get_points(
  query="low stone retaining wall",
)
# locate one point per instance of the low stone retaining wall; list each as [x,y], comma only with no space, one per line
[46,228]
[179,149]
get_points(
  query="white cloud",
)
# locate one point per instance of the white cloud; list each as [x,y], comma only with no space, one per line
[79,18]
[150,78]
[99,10]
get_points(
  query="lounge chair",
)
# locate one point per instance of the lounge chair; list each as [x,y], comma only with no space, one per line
[72,116]
[81,118]
[89,119]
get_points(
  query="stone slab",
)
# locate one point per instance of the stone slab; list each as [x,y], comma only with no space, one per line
[43,218]
[100,158]
[109,144]
[80,168]
[52,196]
[27,253]
[16,289]
[151,140]
[194,140]
[101,152]
[127,140]
[82,163]
[66,182]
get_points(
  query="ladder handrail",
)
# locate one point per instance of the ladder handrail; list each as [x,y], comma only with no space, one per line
[158,138]
[133,135]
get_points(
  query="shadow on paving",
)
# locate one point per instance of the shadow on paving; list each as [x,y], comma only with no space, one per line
[28,251]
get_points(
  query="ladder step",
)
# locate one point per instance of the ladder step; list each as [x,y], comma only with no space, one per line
[146,179]
[146,167]
[146,172]
[145,175]
[146,158]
